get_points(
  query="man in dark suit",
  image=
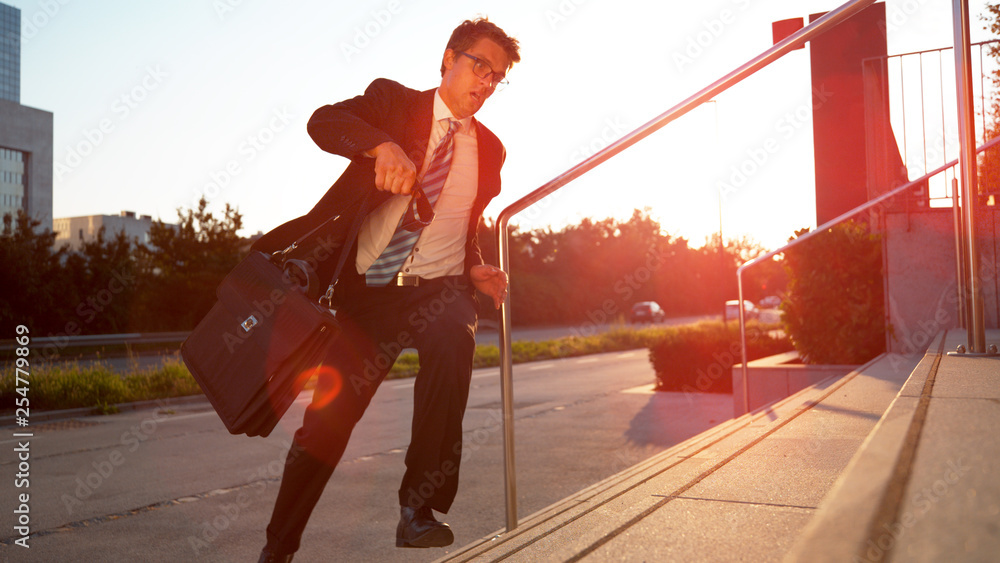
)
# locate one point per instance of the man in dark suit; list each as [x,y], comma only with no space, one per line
[401,290]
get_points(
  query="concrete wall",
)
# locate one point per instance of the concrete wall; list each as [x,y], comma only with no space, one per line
[30,130]
[777,377]
[922,295]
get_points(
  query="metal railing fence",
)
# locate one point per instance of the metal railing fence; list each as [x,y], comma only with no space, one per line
[797,39]
[818,231]
[922,110]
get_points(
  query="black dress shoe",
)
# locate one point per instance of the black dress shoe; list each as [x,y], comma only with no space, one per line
[268,557]
[418,528]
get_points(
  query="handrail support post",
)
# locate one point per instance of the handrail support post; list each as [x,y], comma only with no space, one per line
[975,323]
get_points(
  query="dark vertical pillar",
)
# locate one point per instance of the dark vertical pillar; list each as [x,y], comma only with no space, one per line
[839,109]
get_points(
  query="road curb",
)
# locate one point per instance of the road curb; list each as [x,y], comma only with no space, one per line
[46,416]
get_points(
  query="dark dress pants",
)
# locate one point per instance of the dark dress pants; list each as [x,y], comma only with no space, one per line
[438,318]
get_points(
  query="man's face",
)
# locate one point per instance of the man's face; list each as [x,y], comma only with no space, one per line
[461,89]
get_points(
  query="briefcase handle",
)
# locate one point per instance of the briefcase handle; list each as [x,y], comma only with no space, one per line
[278,257]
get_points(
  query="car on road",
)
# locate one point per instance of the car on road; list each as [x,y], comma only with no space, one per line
[770,302]
[733,310]
[646,312]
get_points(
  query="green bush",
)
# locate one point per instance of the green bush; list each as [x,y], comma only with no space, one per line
[834,310]
[700,358]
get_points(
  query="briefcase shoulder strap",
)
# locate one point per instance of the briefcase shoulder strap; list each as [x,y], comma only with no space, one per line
[359,218]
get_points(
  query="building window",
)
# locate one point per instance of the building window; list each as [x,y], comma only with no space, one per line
[12,179]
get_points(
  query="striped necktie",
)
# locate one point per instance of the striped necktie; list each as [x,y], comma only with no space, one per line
[387,265]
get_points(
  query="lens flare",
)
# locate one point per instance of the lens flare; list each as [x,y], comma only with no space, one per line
[329,382]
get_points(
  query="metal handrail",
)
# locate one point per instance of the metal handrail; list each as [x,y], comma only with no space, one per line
[101,340]
[822,229]
[793,41]
[922,120]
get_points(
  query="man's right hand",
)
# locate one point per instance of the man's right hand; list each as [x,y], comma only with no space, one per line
[394,171]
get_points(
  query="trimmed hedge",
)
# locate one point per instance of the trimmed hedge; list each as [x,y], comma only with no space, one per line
[699,358]
[834,310]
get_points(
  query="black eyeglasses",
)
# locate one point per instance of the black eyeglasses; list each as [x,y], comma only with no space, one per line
[482,69]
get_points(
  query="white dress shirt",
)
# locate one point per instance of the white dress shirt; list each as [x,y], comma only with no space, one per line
[440,250]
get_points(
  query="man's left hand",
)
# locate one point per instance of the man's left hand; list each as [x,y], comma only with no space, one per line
[490,280]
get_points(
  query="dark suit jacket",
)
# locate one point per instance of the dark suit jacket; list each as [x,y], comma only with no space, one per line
[387,111]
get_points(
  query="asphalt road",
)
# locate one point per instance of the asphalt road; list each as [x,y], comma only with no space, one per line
[174,485]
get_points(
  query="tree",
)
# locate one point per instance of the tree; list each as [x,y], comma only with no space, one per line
[593,272]
[104,274]
[34,281]
[182,266]
[989,160]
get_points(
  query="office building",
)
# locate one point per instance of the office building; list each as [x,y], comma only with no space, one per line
[25,134]
[74,231]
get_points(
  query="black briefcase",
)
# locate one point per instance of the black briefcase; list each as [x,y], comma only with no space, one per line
[269,332]
[259,344]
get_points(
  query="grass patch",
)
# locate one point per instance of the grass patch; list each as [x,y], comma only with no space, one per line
[615,340]
[72,385]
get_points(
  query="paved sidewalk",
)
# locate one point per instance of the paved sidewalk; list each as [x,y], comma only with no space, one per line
[876,465]
[926,484]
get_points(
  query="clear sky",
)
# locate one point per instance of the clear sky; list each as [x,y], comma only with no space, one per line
[157,103]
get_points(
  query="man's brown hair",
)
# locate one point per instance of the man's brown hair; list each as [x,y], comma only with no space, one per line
[470,31]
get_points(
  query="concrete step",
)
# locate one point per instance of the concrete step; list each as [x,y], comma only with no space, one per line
[743,490]
[923,486]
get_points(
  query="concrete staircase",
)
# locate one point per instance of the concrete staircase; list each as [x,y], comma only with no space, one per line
[772,484]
